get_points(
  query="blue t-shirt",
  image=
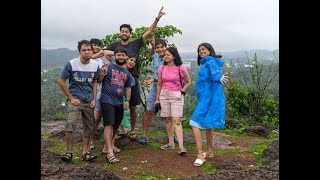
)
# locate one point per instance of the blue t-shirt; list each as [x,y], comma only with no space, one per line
[113,85]
[157,62]
[80,78]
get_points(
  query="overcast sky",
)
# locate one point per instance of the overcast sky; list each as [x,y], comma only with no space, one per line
[229,25]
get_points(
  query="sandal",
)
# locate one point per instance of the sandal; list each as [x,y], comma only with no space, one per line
[88,157]
[116,150]
[104,152]
[67,157]
[112,159]
[199,162]
[120,136]
[133,136]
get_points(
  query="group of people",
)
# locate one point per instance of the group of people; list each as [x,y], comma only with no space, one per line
[99,90]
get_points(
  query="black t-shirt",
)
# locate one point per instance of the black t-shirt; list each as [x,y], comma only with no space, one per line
[133,47]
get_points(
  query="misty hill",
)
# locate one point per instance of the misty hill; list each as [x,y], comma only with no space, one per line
[58,57]
[261,53]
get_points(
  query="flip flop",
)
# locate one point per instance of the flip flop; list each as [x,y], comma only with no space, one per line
[133,136]
[199,162]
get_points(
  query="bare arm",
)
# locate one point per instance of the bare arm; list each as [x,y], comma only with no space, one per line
[128,97]
[153,25]
[103,53]
[152,43]
[187,81]
[94,86]
[64,88]
[159,86]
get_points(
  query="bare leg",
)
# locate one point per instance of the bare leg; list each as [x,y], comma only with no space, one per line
[69,141]
[97,119]
[146,122]
[179,132]
[209,137]
[86,145]
[133,118]
[108,136]
[198,140]
[169,130]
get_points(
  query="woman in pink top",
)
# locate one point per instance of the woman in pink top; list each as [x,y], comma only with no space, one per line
[170,94]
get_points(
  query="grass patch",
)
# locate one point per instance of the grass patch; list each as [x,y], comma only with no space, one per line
[60,147]
[257,150]
[209,168]
[274,134]
[144,175]
[228,151]
[45,137]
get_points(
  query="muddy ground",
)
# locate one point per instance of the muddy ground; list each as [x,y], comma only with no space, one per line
[139,162]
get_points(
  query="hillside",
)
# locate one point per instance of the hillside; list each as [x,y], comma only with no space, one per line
[58,57]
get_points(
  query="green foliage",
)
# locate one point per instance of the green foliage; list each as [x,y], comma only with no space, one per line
[257,150]
[145,60]
[252,95]
[274,134]
[53,100]
[60,116]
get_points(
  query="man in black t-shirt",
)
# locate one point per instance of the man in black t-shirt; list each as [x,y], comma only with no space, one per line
[133,47]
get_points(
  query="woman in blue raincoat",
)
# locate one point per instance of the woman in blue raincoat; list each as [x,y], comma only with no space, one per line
[210,110]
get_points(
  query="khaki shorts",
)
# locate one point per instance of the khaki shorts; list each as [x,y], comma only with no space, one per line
[171,103]
[83,112]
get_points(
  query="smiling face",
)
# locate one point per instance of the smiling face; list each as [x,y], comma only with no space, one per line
[203,51]
[120,58]
[168,57]
[131,62]
[125,34]
[160,49]
[95,48]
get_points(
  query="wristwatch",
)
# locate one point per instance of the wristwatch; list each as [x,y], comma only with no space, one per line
[183,93]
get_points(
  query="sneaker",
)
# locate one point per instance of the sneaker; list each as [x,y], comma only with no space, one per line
[175,140]
[167,147]
[182,151]
[142,140]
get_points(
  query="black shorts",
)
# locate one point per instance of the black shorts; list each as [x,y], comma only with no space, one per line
[112,115]
[135,94]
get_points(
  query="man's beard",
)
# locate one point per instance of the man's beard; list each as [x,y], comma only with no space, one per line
[120,63]
[124,38]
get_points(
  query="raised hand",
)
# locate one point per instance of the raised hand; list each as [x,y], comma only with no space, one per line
[224,78]
[161,13]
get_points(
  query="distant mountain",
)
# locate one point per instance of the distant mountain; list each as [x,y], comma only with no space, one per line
[58,57]
[261,53]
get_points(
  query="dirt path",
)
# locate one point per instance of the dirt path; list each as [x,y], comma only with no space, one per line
[232,159]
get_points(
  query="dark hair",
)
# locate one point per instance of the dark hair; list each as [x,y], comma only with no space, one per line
[175,54]
[126,26]
[160,41]
[132,56]
[120,49]
[211,50]
[96,41]
[80,43]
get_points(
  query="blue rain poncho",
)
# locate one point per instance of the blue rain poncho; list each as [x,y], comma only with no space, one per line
[210,110]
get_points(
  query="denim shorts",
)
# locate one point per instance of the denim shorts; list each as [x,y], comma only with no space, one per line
[151,97]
